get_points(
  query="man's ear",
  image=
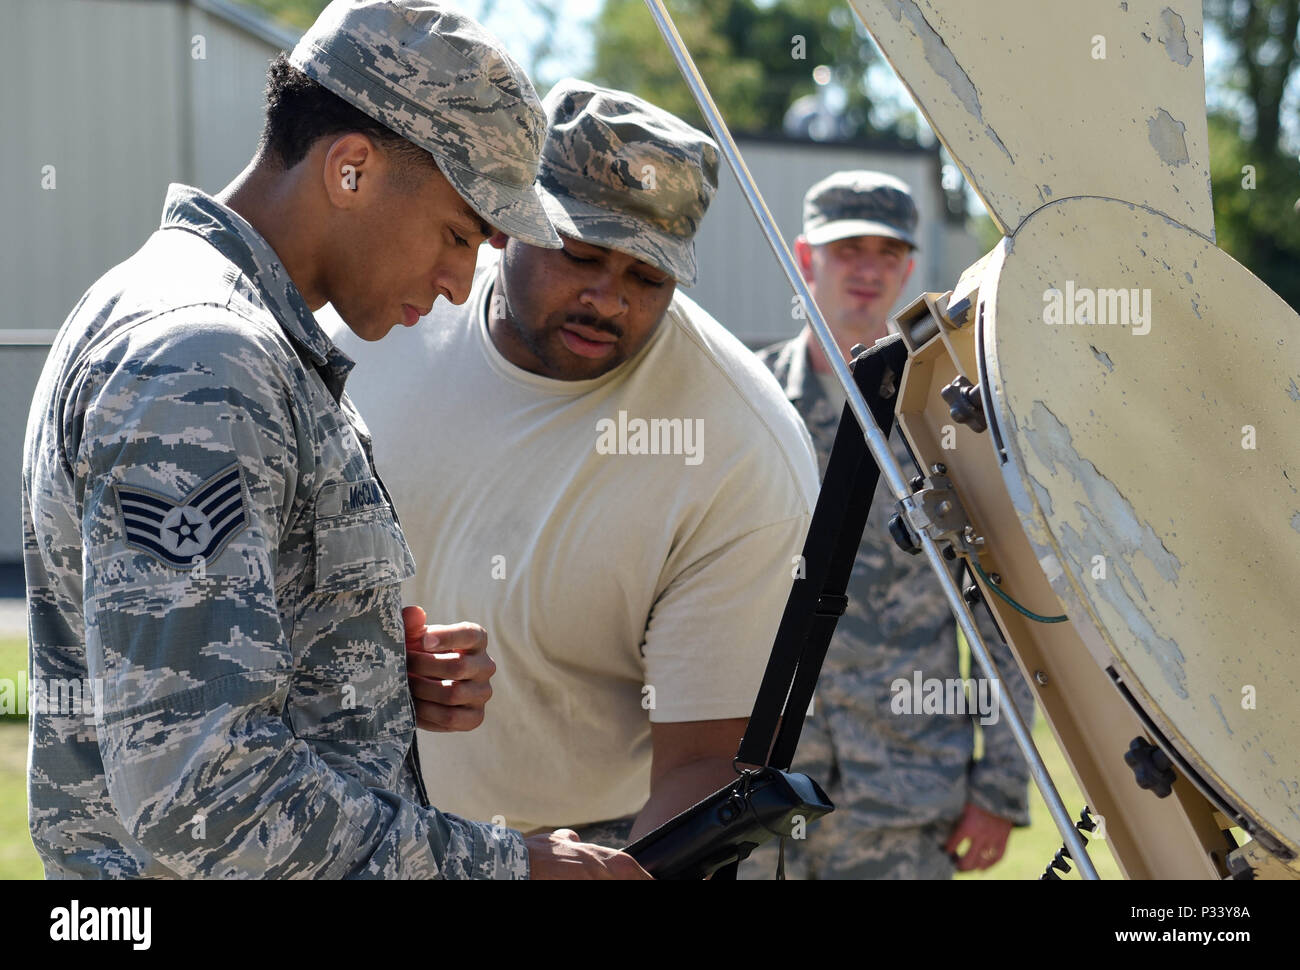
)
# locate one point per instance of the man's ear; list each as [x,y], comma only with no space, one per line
[911,265]
[351,170]
[498,240]
[803,256]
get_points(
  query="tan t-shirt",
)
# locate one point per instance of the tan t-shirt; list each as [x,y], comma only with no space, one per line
[617,587]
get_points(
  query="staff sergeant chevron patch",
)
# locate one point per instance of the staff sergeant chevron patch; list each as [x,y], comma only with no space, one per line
[194,529]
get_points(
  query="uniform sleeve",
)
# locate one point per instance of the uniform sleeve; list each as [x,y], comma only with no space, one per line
[999,781]
[194,660]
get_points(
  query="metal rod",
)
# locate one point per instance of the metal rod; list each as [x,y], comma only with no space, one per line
[876,442]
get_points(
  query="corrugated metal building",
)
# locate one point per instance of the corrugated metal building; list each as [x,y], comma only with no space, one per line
[105,102]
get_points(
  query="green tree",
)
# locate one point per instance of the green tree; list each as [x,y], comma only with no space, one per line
[297,13]
[1255,179]
[1264,37]
[756,57]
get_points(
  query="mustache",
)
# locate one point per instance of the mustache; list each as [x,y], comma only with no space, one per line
[594,322]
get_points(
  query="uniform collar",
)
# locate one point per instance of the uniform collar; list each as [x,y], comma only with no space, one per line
[791,366]
[793,370]
[793,362]
[230,234]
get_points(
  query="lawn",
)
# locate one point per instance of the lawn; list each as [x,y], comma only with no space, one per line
[1028,853]
[18,860]
[13,661]
[1031,849]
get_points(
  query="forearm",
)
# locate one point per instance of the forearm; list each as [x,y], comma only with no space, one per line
[231,792]
[204,768]
[680,788]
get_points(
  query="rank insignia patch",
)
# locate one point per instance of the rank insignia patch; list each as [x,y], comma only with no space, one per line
[194,529]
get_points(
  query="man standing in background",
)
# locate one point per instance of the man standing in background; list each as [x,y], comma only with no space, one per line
[906,789]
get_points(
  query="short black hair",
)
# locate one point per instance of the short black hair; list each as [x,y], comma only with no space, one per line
[299,111]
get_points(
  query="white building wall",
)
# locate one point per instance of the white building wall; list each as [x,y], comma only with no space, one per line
[89,89]
[109,94]
[227,94]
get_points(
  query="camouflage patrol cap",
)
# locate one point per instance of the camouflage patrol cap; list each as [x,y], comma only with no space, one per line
[620,173]
[859,204]
[442,82]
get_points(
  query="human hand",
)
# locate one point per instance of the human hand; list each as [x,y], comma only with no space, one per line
[559,855]
[988,838]
[448,671]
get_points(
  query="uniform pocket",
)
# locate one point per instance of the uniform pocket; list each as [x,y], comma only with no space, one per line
[349,682]
[358,543]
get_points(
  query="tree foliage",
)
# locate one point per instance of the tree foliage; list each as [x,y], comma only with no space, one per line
[1256,183]
[756,57]
[1255,207]
[297,13]
[1263,38]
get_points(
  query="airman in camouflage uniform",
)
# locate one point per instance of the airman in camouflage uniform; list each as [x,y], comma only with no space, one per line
[207,541]
[899,781]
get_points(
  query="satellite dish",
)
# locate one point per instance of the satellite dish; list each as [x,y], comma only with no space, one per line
[1141,391]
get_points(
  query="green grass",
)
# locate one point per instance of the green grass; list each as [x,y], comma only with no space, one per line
[18,860]
[13,661]
[1029,850]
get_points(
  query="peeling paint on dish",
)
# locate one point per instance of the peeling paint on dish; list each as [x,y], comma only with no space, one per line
[1054,445]
[944,64]
[1173,35]
[1103,357]
[1113,529]
[1168,137]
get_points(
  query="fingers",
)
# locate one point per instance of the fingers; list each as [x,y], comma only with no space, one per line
[988,839]
[623,866]
[989,856]
[413,620]
[448,672]
[985,849]
[560,855]
[456,638]
[980,855]
[440,718]
[964,832]
[962,861]
[476,666]
[463,638]
[457,693]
